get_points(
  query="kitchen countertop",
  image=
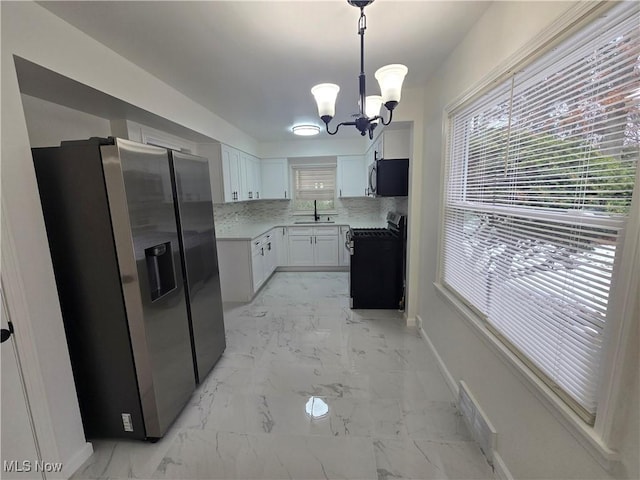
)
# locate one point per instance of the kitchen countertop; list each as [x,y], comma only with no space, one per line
[250,231]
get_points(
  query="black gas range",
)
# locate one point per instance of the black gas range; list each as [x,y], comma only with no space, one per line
[377,268]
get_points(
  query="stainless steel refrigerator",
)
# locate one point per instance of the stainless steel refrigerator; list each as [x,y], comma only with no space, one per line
[194,212]
[110,209]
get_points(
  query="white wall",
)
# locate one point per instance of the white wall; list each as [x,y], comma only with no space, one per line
[531,441]
[31,292]
[411,109]
[312,147]
[48,123]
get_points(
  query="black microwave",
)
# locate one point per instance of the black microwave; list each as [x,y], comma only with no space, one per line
[389,178]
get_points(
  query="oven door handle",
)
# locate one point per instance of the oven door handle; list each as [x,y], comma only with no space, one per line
[348,244]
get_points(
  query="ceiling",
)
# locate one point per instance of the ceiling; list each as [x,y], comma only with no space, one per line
[253,63]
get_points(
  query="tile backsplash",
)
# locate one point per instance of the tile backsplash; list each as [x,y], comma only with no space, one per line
[228,215]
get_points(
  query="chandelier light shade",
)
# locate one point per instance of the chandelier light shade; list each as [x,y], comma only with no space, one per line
[306,130]
[373,104]
[389,77]
[326,95]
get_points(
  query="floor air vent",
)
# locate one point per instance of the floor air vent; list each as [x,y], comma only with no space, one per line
[479,426]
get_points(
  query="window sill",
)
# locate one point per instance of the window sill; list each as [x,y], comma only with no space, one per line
[586,435]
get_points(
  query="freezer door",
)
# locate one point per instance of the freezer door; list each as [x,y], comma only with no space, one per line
[138,184]
[200,259]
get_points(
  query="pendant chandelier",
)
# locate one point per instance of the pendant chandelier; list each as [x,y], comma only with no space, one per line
[389,77]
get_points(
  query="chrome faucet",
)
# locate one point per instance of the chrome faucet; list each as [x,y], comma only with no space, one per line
[316,217]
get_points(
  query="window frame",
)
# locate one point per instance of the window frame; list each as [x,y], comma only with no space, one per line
[601,437]
[311,166]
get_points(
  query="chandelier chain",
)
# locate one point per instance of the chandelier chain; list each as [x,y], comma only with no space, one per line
[390,79]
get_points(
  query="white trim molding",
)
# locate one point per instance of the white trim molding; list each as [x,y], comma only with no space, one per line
[72,465]
[500,470]
[583,433]
[622,313]
[17,304]
[451,382]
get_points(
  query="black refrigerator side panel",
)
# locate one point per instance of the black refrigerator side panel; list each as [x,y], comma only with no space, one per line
[78,223]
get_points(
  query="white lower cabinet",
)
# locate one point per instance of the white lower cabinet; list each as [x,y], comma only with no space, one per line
[325,250]
[246,265]
[282,246]
[257,264]
[313,246]
[263,259]
[300,250]
[270,258]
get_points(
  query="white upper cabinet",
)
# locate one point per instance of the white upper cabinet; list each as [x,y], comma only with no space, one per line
[251,177]
[231,173]
[235,175]
[275,179]
[396,143]
[352,176]
[257,177]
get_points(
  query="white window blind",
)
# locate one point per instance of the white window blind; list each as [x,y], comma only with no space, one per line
[538,185]
[315,183]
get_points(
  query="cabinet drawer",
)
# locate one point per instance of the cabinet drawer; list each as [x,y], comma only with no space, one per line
[325,230]
[256,244]
[300,230]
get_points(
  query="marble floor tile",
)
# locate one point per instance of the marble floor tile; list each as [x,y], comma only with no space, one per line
[434,421]
[200,454]
[389,412]
[407,458]
[346,417]
[306,380]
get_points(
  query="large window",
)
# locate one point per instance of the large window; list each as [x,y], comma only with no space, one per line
[539,179]
[314,183]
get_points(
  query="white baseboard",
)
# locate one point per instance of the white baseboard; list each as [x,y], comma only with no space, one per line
[500,470]
[75,462]
[453,385]
[410,321]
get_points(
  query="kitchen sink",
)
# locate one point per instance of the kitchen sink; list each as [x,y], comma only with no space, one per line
[311,222]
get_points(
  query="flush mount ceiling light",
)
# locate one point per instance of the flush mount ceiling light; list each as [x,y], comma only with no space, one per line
[306,130]
[389,77]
